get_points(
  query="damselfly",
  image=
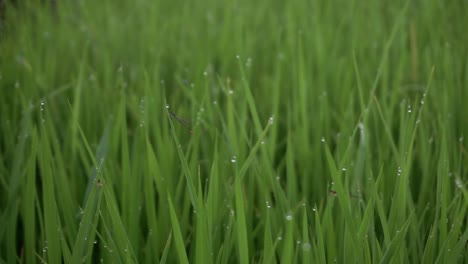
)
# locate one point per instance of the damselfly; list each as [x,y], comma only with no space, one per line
[181,121]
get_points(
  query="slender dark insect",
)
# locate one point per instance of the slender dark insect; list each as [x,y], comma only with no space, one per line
[181,121]
[335,193]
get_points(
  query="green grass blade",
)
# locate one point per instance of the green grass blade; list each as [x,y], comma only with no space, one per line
[166,249]
[179,240]
[268,247]
[51,214]
[185,168]
[241,225]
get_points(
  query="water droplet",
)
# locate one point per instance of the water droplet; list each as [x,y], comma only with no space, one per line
[271,120]
[17,84]
[314,209]
[399,171]
[237,56]
[205,73]
[230,91]
[322,139]
[232,212]
[409,109]
[422,102]
[268,205]
[215,102]
[289,216]
[233,159]
[263,142]
[167,106]
[95,242]
[461,139]
[343,169]
[306,246]
[280,238]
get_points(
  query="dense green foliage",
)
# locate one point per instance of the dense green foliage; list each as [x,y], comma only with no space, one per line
[234,131]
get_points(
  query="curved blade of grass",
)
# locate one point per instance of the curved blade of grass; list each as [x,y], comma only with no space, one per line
[268,247]
[250,99]
[368,216]
[340,190]
[253,151]
[166,249]
[99,158]
[29,197]
[242,241]
[396,243]
[240,208]
[117,230]
[84,241]
[179,240]
[51,214]
[185,167]
[203,243]
[10,213]
[321,251]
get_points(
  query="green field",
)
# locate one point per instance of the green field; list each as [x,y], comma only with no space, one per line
[233,131]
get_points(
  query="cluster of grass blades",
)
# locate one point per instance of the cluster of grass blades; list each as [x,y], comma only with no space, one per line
[233,131]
